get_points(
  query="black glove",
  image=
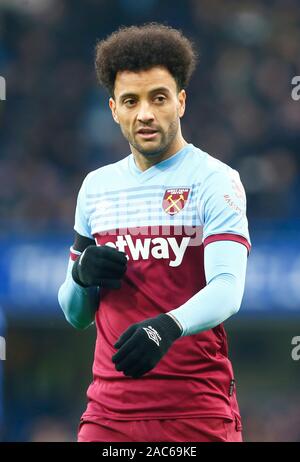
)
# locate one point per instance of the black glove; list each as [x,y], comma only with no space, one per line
[101,266]
[143,345]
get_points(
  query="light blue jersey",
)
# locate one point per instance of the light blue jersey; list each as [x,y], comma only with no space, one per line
[190,189]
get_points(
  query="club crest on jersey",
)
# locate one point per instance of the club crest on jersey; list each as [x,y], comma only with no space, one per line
[175,199]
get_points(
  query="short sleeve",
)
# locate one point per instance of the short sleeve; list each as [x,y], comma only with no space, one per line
[222,208]
[81,219]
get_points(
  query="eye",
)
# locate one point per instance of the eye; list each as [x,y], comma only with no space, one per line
[160,99]
[129,102]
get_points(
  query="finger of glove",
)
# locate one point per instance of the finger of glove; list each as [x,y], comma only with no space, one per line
[128,361]
[98,257]
[99,270]
[110,268]
[138,370]
[124,339]
[123,352]
[110,283]
[110,253]
[145,365]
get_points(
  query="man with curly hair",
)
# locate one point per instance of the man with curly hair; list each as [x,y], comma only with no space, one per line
[159,258]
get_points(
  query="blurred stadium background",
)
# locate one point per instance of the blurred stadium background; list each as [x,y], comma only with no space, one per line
[55,126]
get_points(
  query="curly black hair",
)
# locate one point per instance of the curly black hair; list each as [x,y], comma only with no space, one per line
[138,48]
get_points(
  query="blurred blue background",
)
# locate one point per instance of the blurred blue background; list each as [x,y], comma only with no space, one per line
[55,126]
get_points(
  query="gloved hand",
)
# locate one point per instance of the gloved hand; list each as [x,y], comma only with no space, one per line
[143,345]
[101,266]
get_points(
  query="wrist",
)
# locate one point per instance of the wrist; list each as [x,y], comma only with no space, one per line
[171,327]
[176,321]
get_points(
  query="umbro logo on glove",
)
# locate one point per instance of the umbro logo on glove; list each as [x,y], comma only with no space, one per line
[153,334]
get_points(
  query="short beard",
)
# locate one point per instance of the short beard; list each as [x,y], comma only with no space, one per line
[166,141]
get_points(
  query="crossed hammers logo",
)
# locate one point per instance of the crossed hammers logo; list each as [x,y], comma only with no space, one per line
[174,203]
[175,199]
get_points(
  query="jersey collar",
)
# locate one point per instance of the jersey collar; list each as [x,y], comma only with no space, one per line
[159,167]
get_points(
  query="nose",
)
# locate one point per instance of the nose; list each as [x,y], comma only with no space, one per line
[145,115]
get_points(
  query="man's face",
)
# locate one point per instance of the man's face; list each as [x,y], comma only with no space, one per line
[148,107]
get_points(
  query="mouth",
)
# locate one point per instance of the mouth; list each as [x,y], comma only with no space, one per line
[147,133]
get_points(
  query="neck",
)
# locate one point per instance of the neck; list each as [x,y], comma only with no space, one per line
[143,162]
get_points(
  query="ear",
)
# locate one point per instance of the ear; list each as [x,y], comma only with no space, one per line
[112,105]
[181,103]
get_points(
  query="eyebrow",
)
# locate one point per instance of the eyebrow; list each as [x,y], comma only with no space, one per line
[155,90]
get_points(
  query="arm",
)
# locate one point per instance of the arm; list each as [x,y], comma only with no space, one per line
[90,267]
[225,265]
[78,303]
[93,267]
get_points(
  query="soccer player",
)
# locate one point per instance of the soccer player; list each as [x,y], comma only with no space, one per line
[159,258]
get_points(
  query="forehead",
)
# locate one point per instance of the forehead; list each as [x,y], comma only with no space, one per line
[144,81]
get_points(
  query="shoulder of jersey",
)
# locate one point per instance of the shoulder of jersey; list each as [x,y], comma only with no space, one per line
[209,165]
[106,173]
